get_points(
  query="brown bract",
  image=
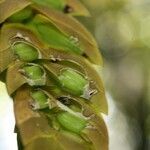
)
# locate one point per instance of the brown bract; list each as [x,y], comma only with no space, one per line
[9,7]
[76,8]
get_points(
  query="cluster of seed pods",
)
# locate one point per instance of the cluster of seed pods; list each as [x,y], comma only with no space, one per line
[48,61]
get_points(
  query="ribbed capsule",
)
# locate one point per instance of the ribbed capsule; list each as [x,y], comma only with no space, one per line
[25,51]
[34,74]
[71,122]
[40,100]
[72,81]
[20,73]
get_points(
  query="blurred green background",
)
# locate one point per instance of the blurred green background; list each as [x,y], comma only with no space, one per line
[122,29]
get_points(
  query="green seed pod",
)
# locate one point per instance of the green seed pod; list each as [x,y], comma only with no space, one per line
[25,51]
[71,122]
[40,100]
[73,82]
[49,34]
[21,15]
[34,74]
